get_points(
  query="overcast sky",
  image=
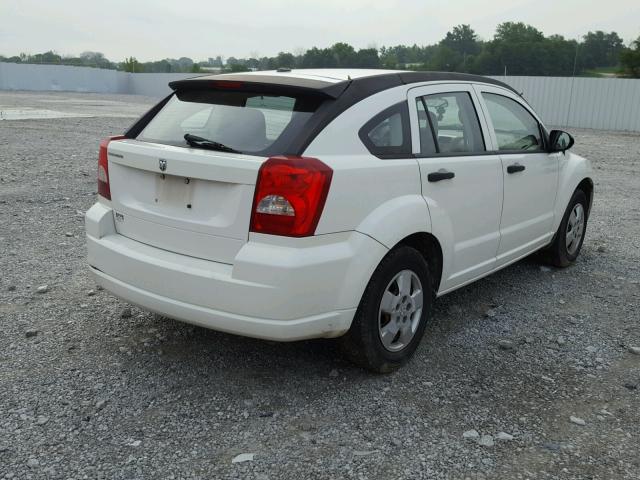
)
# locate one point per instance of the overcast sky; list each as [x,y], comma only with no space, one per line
[156,29]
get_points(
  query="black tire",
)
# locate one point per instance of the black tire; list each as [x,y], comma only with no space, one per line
[362,343]
[559,256]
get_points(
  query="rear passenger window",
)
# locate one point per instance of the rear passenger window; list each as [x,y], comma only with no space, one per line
[516,129]
[452,120]
[387,135]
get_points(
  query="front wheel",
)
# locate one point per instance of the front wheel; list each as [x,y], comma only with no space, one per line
[392,314]
[568,241]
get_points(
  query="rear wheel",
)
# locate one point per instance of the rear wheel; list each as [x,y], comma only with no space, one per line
[568,241]
[392,314]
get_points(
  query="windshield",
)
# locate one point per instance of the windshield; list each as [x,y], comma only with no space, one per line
[253,123]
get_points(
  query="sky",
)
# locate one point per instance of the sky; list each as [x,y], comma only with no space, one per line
[199,29]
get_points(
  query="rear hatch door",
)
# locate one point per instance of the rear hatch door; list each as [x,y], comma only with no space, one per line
[196,199]
[186,200]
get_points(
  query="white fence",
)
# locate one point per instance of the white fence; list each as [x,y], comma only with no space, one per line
[15,76]
[600,103]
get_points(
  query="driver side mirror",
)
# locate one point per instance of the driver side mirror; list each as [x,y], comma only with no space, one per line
[560,141]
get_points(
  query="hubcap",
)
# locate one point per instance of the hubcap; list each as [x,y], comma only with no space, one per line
[575,229]
[400,311]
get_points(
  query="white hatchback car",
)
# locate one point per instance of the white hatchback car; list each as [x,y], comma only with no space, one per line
[289,205]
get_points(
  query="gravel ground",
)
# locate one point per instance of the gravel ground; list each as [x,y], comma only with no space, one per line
[93,388]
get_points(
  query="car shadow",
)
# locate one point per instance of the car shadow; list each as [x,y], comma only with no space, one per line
[217,353]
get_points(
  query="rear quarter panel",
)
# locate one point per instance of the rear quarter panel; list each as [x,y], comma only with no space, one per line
[381,198]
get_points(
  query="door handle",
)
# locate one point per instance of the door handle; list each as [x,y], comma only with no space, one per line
[516,167]
[440,175]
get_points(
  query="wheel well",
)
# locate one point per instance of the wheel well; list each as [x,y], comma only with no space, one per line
[586,186]
[430,249]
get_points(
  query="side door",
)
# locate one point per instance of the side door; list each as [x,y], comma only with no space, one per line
[530,173]
[461,178]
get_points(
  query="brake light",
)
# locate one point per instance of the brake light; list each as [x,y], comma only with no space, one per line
[103,167]
[226,84]
[290,195]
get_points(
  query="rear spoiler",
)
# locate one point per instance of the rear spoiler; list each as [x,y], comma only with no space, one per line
[248,83]
[276,85]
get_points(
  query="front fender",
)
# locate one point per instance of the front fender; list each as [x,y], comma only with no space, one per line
[573,170]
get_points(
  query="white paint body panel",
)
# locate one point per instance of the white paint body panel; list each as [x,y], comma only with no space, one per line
[201,265]
[465,211]
[527,218]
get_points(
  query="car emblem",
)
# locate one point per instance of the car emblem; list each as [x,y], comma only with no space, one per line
[162,163]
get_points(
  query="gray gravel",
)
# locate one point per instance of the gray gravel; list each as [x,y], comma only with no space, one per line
[93,388]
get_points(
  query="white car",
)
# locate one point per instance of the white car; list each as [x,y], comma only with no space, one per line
[297,204]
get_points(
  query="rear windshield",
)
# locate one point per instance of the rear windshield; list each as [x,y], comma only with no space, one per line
[252,123]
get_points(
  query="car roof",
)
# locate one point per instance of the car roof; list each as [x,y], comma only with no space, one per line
[329,82]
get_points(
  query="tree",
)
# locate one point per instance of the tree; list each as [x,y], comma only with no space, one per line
[446,59]
[517,32]
[630,59]
[131,65]
[343,54]
[601,49]
[367,58]
[457,50]
[95,59]
[463,40]
[285,60]
[521,49]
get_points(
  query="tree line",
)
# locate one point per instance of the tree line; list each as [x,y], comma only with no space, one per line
[515,49]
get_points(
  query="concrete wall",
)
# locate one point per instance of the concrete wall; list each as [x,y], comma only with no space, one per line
[600,103]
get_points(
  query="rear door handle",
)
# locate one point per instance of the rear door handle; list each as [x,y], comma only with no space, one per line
[516,167]
[440,175]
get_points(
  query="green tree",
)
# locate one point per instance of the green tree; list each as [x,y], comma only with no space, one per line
[521,49]
[518,32]
[367,58]
[601,49]
[463,40]
[630,59]
[131,65]
[343,54]
[285,60]
[457,50]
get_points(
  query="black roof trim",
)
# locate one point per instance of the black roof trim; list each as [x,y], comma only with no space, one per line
[415,77]
[275,83]
[360,88]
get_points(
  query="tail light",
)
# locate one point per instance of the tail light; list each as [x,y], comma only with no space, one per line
[290,195]
[103,168]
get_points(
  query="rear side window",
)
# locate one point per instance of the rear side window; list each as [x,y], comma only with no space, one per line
[452,120]
[388,135]
[516,129]
[253,123]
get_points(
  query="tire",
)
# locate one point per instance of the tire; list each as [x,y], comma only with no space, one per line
[363,344]
[560,254]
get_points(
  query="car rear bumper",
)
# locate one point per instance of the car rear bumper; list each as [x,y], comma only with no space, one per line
[277,289]
[329,324]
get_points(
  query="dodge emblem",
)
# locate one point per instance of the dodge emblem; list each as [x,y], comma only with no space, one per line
[162,163]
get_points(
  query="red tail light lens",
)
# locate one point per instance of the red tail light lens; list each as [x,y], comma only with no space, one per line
[103,168]
[290,195]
